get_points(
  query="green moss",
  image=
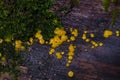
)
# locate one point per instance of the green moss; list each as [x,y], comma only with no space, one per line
[22,18]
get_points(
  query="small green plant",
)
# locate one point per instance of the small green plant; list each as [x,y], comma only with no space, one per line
[114,12]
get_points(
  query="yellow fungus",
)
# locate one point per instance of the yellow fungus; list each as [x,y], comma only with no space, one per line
[72,38]
[69,61]
[62,53]
[92,47]
[75,32]
[107,33]
[67,65]
[31,39]
[51,51]
[85,31]
[87,40]
[92,35]
[38,35]
[70,73]
[70,53]
[58,55]
[57,40]
[117,35]
[84,36]
[70,57]
[74,47]
[68,40]
[41,41]
[18,45]
[96,45]
[59,32]
[28,43]
[93,42]
[117,32]
[71,48]
[64,37]
[46,42]
[100,44]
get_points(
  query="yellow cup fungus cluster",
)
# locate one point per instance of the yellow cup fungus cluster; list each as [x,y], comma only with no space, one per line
[74,33]
[92,42]
[71,53]
[59,38]
[30,42]
[58,55]
[92,35]
[52,50]
[117,33]
[18,45]
[96,44]
[39,36]
[84,36]
[107,33]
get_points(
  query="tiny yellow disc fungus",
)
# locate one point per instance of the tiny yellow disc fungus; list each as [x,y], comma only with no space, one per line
[46,42]
[67,65]
[93,42]
[72,38]
[41,41]
[87,40]
[100,44]
[70,73]
[70,57]
[117,35]
[68,40]
[96,45]
[92,35]
[92,47]
[117,32]
[31,39]
[69,61]
[75,32]
[85,31]
[51,51]
[70,53]
[58,55]
[62,53]
[107,33]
